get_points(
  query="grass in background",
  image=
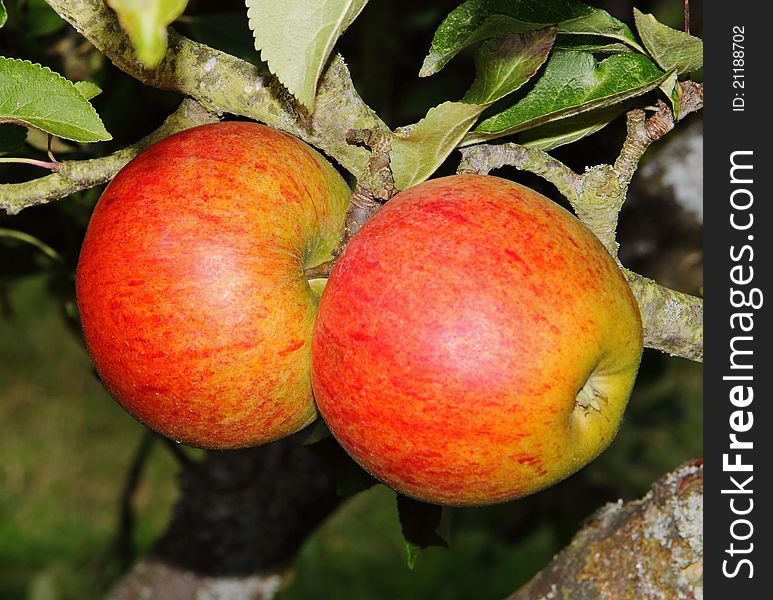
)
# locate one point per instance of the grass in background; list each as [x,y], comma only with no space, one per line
[65,448]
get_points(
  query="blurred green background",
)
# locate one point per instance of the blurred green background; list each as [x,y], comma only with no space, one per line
[66,449]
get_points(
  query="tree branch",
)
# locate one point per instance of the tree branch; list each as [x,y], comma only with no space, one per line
[77,175]
[483,158]
[648,548]
[226,84]
[672,321]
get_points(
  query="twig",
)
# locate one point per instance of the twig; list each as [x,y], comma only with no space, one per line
[374,187]
[125,539]
[178,453]
[77,175]
[687,16]
[483,158]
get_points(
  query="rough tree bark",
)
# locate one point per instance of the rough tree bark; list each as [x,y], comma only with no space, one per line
[648,549]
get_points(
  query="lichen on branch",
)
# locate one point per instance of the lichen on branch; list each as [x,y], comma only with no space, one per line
[226,84]
[647,548]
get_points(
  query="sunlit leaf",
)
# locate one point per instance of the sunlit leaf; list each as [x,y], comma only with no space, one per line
[88,89]
[295,38]
[476,20]
[34,95]
[3,14]
[145,21]
[670,48]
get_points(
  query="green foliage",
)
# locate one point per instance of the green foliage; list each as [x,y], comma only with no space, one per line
[670,48]
[88,89]
[3,14]
[66,447]
[423,525]
[145,22]
[503,65]
[573,82]
[477,20]
[570,129]
[295,38]
[34,95]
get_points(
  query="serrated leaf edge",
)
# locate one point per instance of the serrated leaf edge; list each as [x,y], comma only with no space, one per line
[77,91]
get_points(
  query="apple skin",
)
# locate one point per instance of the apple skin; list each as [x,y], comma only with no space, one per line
[190,282]
[461,336]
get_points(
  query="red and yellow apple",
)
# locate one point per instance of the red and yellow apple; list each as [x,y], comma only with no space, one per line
[475,343]
[191,286]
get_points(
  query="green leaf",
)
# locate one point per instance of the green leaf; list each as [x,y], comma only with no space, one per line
[569,130]
[420,149]
[3,14]
[295,38]
[671,89]
[11,138]
[476,20]
[572,83]
[350,478]
[34,95]
[145,21]
[503,65]
[88,89]
[590,43]
[670,48]
[423,525]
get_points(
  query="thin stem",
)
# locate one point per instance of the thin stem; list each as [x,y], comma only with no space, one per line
[687,16]
[52,166]
[27,238]
[50,151]
[321,271]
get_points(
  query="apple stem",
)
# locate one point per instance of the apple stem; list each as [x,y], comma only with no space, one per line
[321,271]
